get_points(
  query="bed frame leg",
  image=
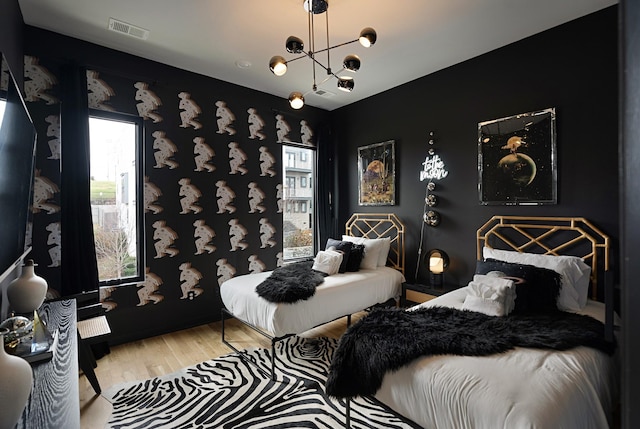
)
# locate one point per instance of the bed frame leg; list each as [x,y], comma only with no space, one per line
[273,360]
[222,317]
[243,354]
[348,412]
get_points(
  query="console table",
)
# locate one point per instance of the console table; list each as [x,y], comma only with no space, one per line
[54,402]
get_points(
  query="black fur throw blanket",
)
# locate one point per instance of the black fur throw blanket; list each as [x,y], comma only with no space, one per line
[291,283]
[388,339]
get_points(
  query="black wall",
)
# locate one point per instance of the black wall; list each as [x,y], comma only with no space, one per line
[572,68]
[182,285]
[630,209]
[11,28]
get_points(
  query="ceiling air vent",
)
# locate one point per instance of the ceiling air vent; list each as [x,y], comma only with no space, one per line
[128,29]
[324,93]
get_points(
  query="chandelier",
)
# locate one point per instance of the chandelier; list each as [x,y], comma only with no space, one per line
[295,45]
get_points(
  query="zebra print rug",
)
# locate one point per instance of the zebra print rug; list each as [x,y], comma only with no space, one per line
[229,392]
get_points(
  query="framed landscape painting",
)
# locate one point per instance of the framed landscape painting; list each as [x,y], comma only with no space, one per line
[517,159]
[377,174]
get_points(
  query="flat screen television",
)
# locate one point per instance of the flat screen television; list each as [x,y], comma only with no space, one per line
[17,150]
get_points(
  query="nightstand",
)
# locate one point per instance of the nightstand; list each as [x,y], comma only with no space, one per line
[416,293]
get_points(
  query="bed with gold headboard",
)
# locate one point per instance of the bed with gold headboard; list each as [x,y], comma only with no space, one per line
[377,278]
[549,236]
[524,386]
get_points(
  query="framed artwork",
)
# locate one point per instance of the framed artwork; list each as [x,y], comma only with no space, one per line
[377,174]
[517,159]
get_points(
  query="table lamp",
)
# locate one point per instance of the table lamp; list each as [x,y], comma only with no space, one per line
[437,261]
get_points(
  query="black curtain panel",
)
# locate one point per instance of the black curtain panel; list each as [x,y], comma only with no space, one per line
[327,227]
[79,266]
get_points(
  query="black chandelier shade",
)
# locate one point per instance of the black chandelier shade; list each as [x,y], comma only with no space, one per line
[278,65]
[351,63]
[294,45]
[296,100]
[346,84]
[368,37]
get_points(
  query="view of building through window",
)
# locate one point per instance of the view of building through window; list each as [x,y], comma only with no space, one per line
[113,198]
[298,219]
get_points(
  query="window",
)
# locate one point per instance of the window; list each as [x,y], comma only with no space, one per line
[116,196]
[298,219]
[291,159]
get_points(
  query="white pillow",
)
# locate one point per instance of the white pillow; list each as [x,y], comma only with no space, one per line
[574,271]
[384,251]
[327,261]
[489,306]
[372,248]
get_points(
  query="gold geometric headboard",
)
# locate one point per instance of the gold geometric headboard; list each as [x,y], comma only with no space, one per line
[573,236]
[380,225]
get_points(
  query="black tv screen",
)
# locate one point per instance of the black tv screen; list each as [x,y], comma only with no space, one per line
[17,150]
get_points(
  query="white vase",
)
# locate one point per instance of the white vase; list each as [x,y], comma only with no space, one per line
[27,292]
[16,379]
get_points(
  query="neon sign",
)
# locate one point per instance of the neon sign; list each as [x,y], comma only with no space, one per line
[433,168]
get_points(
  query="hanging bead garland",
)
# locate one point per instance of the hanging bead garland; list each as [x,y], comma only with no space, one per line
[433,169]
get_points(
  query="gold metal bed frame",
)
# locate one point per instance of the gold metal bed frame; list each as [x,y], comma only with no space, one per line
[366,225]
[379,225]
[574,236]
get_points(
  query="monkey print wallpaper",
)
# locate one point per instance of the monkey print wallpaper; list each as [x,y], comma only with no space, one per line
[212,189]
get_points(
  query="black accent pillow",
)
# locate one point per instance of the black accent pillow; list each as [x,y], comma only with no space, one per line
[538,293]
[340,246]
[355,257]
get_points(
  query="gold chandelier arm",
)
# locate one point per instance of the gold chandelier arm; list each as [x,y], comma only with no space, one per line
[312,39]
[328,70]
[308,54]
[301,56]
[337,46]
[326,20]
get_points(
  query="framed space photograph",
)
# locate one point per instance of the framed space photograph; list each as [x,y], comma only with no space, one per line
[377,174]
[517,159]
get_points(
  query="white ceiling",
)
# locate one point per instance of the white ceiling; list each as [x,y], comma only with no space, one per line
[415,37]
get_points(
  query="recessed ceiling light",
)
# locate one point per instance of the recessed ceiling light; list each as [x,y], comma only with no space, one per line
[243,64]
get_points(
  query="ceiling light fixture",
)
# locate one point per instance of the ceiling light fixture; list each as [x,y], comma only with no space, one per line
[294,45]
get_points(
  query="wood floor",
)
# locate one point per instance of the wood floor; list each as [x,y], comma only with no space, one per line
[168,353]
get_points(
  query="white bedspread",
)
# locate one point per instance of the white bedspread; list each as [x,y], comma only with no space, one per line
[523,388]
[338,295]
